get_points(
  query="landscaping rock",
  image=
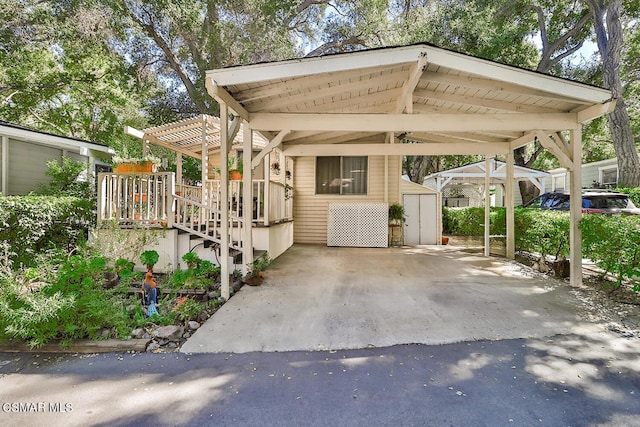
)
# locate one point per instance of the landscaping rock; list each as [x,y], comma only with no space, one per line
[170,332]
[186,335]
[172,345]
[138,333]
[213,295]
[153,346]
[193,325]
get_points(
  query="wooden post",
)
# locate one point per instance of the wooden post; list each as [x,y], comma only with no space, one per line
[247,199]
[487,204]
[179,168]
[510,207]
[575,207]
[266,199]
[224,200]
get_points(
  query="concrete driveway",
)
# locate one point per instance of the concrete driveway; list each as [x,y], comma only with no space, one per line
[322,298]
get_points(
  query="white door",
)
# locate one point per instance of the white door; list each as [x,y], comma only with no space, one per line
[420,227]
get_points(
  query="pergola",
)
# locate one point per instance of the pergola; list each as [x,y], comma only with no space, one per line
[192,137]
[371,102]
[476,173]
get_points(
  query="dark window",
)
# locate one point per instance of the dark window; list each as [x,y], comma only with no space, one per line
[341,175]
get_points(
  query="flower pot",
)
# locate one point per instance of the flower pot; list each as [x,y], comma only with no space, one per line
[136,197]
[123,168]
[445,240]
[235,176]
[147,167]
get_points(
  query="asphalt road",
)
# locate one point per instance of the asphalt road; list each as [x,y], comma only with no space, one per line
[586,379]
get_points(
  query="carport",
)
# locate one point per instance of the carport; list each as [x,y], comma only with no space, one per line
[409,100]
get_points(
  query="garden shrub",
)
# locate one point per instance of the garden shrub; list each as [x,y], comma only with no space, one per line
[613,243]
[66,304]
[542,231]
[35,224]
[470,221]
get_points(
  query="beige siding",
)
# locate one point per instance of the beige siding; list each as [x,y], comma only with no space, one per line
[27,166]
[310,210]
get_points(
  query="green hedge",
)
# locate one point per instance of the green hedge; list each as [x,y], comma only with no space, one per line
[470,221]
[35,224]
[612,242]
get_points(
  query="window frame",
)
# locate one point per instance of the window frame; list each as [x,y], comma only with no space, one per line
[341,194]
[601,172]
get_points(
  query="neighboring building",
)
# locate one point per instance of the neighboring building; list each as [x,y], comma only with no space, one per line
[25,152]
[602,174]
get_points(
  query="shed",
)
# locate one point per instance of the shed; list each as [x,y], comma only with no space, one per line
[423,214]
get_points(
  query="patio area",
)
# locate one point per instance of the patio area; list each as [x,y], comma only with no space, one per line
[323,298]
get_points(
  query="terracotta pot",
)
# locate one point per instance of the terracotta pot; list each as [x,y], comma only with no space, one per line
[235,176]
[136,197]
[445,240]
[123,168]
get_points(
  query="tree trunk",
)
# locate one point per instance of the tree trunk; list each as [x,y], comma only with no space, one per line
[528,191]
[610,41]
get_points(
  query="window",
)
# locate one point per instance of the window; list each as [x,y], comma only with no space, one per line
[341,175]
[609,177]
[558,182]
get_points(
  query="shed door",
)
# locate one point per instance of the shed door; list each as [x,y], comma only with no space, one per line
[421,225]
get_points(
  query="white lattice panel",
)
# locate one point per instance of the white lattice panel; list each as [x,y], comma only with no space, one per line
[364,224]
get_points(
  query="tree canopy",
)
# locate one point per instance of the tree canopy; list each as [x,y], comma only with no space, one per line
[84,68]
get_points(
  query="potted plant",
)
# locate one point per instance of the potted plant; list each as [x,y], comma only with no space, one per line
[396,219]
[235,168]
[191,259]
[149,258]
[146,164]
[256,270]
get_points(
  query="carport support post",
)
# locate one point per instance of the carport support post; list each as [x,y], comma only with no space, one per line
[487,204]
[247,199]
[510,206]
[224,200]
[575,208]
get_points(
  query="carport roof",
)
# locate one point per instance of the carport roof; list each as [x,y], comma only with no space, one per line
[439,101]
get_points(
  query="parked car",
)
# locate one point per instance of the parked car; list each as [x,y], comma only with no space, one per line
[593,201]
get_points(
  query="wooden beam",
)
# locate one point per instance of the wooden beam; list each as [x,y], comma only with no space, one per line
[275,142]
[224,97]
[412,122]
[596,111]
[177,149]
[394,149]
[522,141]
[556,149]
[405,100]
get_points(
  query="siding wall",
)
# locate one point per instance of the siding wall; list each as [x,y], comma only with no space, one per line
[27,165]
[590,173]
[310,210]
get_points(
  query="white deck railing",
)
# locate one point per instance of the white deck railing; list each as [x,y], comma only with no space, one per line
[153,199]
[136,198]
